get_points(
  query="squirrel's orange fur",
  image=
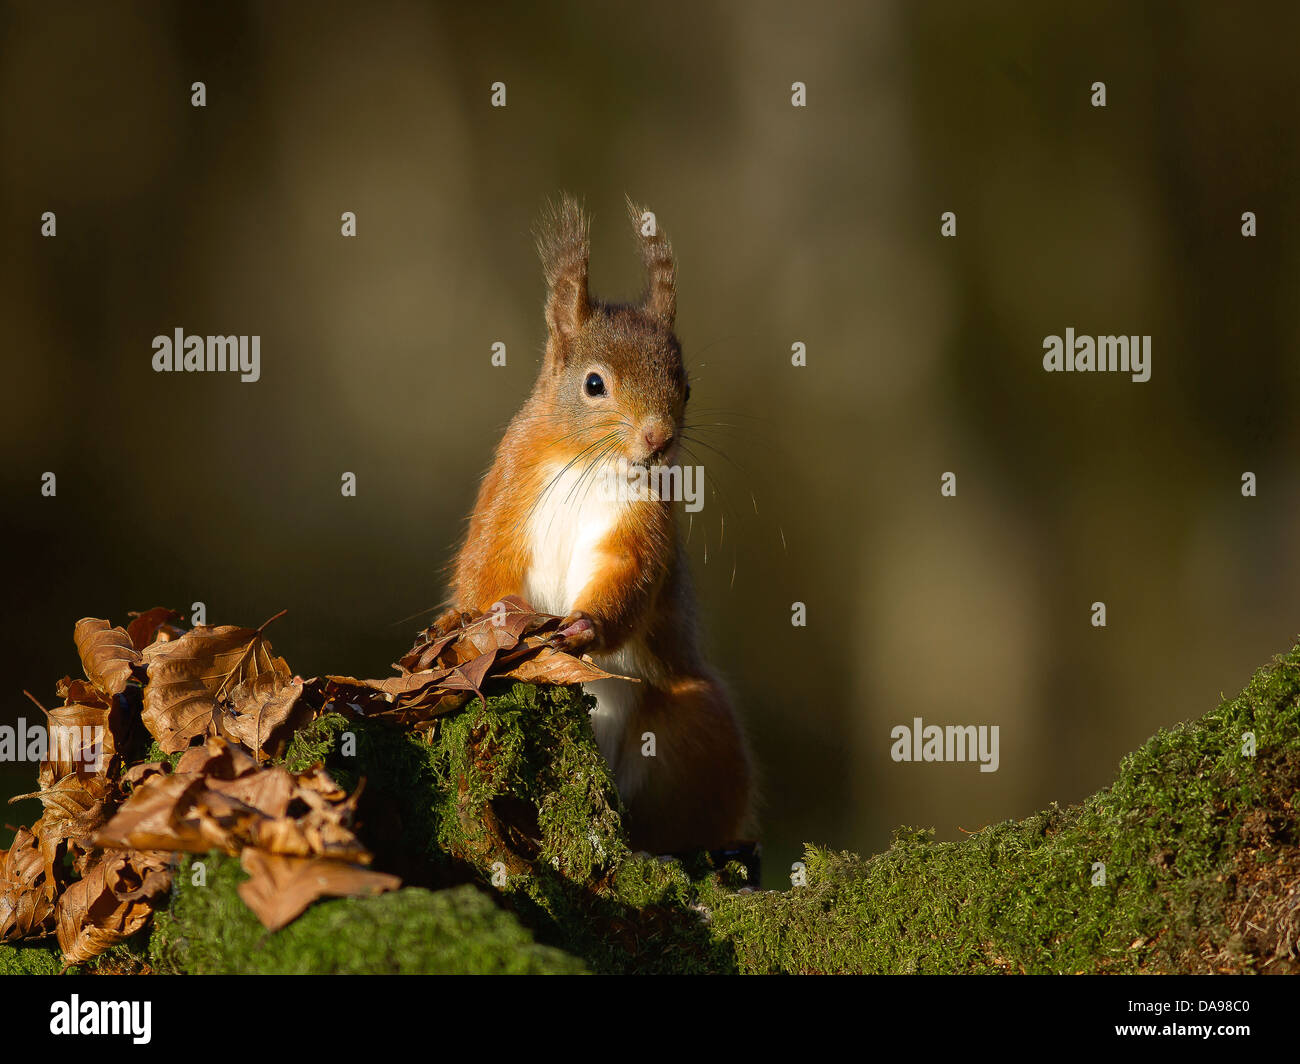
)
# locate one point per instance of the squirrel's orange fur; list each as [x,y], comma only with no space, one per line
[547,528]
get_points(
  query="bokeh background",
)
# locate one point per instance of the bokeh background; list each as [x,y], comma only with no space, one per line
[818,225]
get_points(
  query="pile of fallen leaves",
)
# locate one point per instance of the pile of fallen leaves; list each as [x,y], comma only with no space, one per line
[99,861]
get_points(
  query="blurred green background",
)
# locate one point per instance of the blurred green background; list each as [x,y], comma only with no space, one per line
[818,225]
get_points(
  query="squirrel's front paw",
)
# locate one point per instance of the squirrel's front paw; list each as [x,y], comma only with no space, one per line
[578,632]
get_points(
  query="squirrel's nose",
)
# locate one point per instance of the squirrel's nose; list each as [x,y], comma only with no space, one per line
[657,436]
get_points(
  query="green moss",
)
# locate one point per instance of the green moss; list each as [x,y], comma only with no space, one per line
[44,958]
[155,753]
[512,789]
[208,929]
[528,761]
[39,958]
[316,742]
[644,880]
[514,796]
[1020,896]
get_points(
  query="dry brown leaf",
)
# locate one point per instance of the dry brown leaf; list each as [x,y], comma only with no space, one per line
[157,623]
[420,709]
[153,817]
[217,799]
[139,874]
[217,759]
[346,695]
[188,677]
[75,807]
[510,641]
[113,901]
[549,665]
[280,888]
[80,691]
[500,628]
[265,718]
[318,786]
[224,823]
[80,740]
[107,654]
[27,891]
[431,702]
[71,797]
[268,791]
[394,686]
[423,656]
[308,836]
[115,830]
[324,829]
[470,675]
[414,699]
[137,774]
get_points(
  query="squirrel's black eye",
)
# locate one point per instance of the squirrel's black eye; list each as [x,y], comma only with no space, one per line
[594,385]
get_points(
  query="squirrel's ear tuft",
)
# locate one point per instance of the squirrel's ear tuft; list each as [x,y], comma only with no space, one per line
[660,297]
[563,244]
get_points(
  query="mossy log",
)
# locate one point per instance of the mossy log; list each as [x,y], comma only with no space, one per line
[506,826]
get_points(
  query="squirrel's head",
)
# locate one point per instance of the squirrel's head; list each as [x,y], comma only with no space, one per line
[613,376]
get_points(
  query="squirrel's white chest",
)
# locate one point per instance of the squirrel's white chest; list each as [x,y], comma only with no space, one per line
[574,514]
[565,531]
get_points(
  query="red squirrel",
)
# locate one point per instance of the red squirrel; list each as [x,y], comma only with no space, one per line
[610,398]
